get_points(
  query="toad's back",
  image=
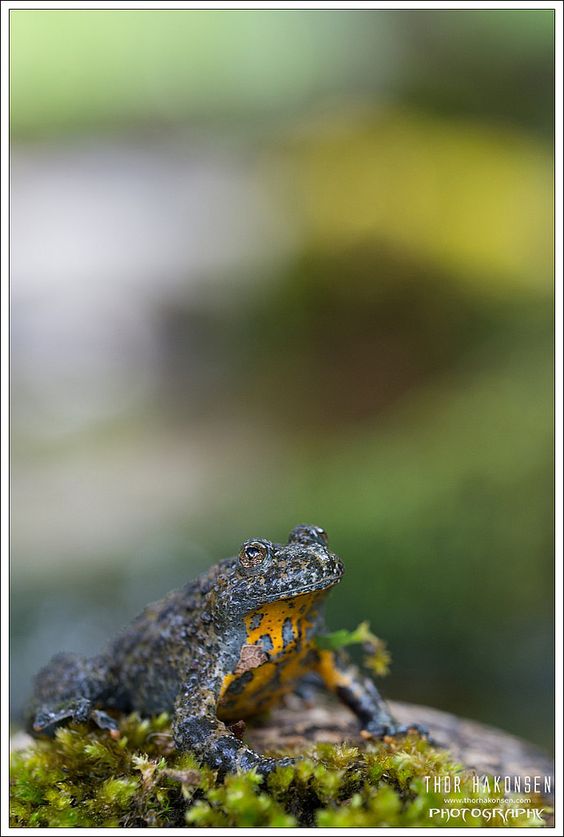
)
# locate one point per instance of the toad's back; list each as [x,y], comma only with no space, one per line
[148,662]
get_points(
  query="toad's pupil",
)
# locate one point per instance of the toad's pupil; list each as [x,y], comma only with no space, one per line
[253,555]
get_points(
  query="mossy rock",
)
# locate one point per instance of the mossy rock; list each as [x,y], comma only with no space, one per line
[87,778]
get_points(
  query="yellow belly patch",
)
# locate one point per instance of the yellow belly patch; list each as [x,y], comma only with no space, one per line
[283,631]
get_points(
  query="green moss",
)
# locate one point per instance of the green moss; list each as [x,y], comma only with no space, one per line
[85,777]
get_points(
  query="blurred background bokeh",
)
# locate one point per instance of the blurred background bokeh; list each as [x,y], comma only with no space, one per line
[272,267]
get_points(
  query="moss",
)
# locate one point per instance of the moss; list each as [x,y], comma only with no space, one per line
[85,777]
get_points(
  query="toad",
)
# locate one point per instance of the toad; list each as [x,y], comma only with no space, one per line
[225,647]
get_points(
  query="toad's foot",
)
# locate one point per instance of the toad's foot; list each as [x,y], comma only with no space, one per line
[263,765]
[47,719]
[394,730]
[214,744]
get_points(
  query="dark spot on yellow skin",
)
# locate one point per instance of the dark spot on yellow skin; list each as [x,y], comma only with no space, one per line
[257,619]
[266,642]
[287,632]
[237,686]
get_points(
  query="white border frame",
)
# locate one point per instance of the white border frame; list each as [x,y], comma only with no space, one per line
[5,9]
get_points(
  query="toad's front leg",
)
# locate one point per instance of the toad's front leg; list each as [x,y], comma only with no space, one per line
[197,728]
[361,695]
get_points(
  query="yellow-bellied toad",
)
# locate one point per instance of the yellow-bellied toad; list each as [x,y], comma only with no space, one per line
[225,647]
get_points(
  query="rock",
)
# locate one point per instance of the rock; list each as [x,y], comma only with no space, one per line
[477,746]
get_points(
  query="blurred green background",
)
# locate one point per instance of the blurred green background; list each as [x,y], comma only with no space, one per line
[282,266]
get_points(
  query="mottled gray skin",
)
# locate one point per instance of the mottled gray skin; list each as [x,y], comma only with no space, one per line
[176,655]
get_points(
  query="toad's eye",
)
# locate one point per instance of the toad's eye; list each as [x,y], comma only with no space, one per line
[253,554]
[308,534]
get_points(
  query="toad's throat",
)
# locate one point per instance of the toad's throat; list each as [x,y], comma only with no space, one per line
[277,651]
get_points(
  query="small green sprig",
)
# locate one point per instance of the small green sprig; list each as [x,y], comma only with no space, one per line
[377,657]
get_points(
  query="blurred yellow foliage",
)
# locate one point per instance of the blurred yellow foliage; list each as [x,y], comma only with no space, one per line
[473,199]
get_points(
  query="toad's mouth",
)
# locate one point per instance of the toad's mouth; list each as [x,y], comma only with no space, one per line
[316,586]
